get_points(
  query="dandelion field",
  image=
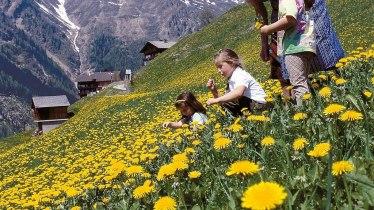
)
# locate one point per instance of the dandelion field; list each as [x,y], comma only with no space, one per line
[113,154]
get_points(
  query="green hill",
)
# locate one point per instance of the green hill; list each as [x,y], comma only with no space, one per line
[114,154]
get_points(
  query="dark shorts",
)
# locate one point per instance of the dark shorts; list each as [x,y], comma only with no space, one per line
[236,107]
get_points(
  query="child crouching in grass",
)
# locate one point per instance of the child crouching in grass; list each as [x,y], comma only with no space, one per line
[191,110]
[242,90]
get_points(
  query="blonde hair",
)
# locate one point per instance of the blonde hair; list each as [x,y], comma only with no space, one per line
[228,56]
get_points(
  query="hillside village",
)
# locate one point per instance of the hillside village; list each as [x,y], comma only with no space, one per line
[114,154]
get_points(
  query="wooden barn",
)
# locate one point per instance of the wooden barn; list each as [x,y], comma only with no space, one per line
[91,83]
[152,48]
[49,111]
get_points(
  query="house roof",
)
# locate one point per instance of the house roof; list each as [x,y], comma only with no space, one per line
[50,101]
[98,76]
[158,44]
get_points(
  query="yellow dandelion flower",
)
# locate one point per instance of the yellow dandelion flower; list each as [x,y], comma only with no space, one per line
[236,127]
[351,115]
[339,65]
[299,144]
[165,203]
[181,157]
[76,208]
[258,118]
[244,167]
[320,150]
[143,190]
[221,143]
[267,141]
[194,174]
[341,167]
[134,170]
[307,96]
[325,92]
[333,109]
[322,77]
[240,146]
[189,150]
[165,171]
[340,81]
[264,195]
[367,94]
[300,116]
[343,60]
[196,142]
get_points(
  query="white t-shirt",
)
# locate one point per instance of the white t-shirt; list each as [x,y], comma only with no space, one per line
[253,89]
[199,117]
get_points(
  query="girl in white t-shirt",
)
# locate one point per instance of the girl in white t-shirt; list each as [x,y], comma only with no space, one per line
[242,90]
[191,110]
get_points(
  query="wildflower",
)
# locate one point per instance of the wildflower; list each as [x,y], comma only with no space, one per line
[300,116]
[196,142]
[165,171]
[267,141]
[258,25]
[340,81]
[76,208]
[264,195]
[258,118]
[236,127]
[341,167]
[181,157]
[333,109]
[244,167]
[307,96]
[339,65]
[343,60]
[322,77]
[133,170]
[367,94]
[143,190]
[299,144]
[194,174]
[325,92]
[351,115]
[165,203]
[221,143]
[320,150]
[240,146]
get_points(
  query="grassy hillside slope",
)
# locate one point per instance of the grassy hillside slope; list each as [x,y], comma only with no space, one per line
[115,144]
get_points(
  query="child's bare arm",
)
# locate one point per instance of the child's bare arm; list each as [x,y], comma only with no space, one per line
[172,124]
[232,95]
[282,24]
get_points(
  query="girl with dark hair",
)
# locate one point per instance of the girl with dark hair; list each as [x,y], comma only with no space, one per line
[191,110]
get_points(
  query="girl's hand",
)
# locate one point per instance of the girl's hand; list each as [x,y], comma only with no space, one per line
[165,124]
[212,101]
[211,85]
[264,30]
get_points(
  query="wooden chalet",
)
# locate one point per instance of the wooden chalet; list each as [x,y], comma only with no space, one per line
[91,83]
[152,48]
[49,111]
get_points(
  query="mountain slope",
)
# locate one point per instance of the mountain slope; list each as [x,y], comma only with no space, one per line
[93,152]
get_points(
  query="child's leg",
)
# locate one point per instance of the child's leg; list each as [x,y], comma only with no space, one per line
[298,67]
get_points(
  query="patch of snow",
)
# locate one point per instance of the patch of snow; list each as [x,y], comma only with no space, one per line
[63,16]
[115,3]
[45,9]
[61,11]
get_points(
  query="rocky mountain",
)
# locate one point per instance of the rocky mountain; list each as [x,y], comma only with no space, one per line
[31,45]
[45,44]
[110,33]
